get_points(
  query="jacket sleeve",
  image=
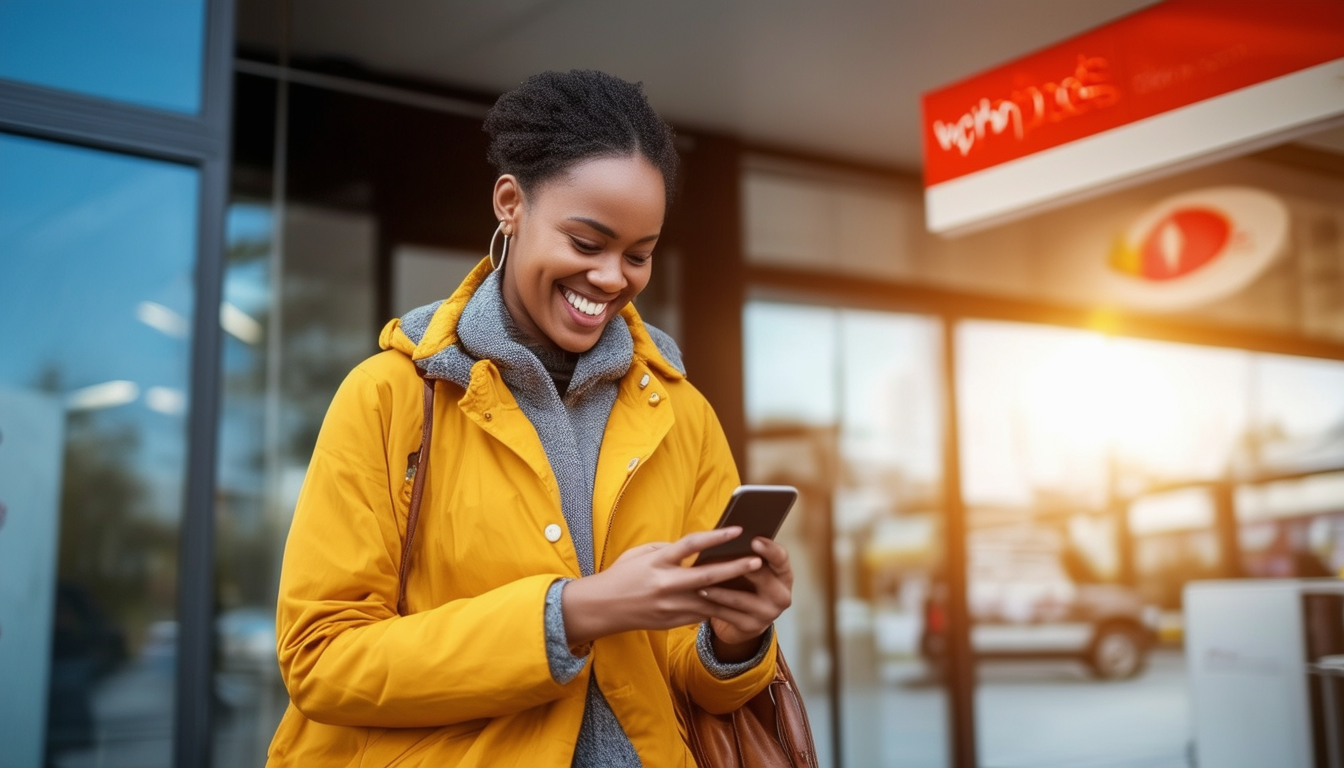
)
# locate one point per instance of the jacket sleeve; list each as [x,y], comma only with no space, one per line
[716,478]
[346,656]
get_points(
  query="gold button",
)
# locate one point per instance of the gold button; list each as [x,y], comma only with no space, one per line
[552,533]
[488,416]
[633,463]
[644,381]
[654,399]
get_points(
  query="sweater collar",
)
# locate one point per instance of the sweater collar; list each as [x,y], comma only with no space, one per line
[486,331]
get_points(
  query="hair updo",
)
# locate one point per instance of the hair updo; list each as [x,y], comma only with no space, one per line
[557,119]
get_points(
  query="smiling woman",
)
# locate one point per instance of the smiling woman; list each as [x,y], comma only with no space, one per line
[546,617]
[571,269]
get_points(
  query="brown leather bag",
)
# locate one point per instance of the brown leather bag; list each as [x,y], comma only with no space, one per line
[769,731]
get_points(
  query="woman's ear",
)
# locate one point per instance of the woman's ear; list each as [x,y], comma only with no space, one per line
[508,199]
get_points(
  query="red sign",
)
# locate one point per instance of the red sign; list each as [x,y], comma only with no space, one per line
[1171,55]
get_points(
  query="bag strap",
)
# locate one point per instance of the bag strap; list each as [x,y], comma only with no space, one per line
[417,491]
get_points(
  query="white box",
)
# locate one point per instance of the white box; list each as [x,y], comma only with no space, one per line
[1249,688]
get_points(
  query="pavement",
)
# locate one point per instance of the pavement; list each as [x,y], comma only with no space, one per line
[1037,714]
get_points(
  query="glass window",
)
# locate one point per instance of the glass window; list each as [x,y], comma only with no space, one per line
[248,535]
[1050,412]
[315,317]
[845,405]
[96,294]
[1057,425]
[146,52]
[1101,476]
[1299,415]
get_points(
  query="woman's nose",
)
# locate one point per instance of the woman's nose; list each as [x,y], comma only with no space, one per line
[606,274]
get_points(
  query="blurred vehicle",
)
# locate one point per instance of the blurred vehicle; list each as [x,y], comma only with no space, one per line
[1029,599]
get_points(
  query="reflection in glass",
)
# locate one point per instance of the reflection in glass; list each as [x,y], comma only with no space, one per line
[1101,476]
[845,405]
[1050,412]
[269,421]
[249,694]
[1293,527]
[1299,415]
[146,52]
[1057,425]
[95,295]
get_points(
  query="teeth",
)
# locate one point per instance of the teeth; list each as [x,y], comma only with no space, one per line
[590,308]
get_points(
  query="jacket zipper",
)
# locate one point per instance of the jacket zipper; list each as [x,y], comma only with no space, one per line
[611,520]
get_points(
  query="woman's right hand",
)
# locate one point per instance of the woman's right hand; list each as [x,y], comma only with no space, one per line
[649,588]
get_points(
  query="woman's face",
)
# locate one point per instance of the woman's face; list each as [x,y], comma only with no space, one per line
[582,247]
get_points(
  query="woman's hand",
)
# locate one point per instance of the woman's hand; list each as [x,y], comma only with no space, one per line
[649,588]
[743,616]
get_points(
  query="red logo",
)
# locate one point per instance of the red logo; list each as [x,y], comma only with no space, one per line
[1177,244]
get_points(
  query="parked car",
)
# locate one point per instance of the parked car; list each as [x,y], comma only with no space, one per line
[1039,603]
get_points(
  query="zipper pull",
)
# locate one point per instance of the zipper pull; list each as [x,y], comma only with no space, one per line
[412,462]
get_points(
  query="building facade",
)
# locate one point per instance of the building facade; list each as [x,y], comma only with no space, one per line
[199,240]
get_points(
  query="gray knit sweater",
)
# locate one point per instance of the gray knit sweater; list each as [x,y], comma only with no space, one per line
[570,429]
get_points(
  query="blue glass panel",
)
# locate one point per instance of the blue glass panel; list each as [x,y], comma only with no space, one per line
[96,294]
[147,52]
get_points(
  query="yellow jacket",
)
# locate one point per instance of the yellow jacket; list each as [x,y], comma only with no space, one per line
[463,680]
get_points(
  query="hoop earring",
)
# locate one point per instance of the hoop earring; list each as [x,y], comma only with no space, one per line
[503,254]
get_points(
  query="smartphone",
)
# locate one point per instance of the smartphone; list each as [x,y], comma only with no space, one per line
[760,510]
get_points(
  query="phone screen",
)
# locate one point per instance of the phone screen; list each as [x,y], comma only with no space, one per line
[760,510]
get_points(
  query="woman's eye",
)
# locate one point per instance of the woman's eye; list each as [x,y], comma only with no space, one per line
[585,246]
[639,259]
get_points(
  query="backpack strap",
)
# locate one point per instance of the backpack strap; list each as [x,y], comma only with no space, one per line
[417,491]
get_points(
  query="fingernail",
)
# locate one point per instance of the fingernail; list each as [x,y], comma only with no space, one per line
[704,593]
[755,563]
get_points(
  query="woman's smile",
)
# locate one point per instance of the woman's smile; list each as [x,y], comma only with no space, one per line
[585,310]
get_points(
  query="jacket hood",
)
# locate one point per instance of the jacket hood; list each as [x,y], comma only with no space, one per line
[421,339]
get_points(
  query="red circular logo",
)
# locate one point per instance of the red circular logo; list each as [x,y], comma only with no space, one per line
[1181,242]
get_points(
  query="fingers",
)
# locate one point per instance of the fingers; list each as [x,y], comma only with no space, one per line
[642,549]
[746,603]
[774,553]
[773,585]
[769,600]
[776,588]
[695,543]
[708,575]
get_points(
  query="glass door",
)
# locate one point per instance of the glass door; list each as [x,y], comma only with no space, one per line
[845,405]
[1101,475]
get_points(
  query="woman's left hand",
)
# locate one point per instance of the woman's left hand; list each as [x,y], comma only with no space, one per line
[742,617]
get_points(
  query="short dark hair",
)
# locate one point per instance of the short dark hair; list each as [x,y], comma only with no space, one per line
[557,119]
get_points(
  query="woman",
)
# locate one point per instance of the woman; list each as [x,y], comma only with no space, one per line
[548,621]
